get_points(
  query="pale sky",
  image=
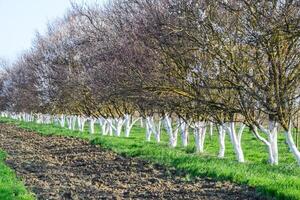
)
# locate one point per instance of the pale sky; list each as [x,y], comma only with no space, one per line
[20,19]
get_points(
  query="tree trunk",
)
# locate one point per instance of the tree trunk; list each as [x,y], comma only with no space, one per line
[92,125]
[211,129]
[118,127]
[271,141]
[236,140]
[171,131]
[222,134]
[110,126]
[148,128]
[129,122]
[83,120]
[73,122]
[103,124]
[69,122]
[184,130]
[199,132]
[291,144]
[155,128]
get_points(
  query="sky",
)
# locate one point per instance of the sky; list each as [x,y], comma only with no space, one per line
[20,19]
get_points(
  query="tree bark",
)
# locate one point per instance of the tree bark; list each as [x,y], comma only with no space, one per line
[222,147]
[291,144]
[184,131]
[236,140]
[199,132]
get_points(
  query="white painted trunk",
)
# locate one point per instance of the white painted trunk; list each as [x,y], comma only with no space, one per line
[184,132]
[83,120]
[110,126]
[118,127]
[74,122]
[155,128]
[127,125]
[157,135]
[69,122]
[272,138]
[172,132]
[199,132]
[48,119]
[211,129]
[222,147]
[129,122]
[273,148]
[148,128]
[173,139]
[62,121]
[271,141]
[103,125]
[92,125]
[236,140]
[38,118]
[79,122]
[291,144]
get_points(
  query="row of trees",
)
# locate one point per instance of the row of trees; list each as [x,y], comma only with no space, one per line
[234,63]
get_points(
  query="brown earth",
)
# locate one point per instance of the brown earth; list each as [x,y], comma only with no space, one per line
[67,168]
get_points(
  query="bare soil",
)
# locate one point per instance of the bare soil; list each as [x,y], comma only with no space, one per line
[67,168]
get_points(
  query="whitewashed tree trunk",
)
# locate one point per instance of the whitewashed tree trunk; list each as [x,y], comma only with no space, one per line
[118,126]
[43,119]
[38,118]
[103,123]
[172,132]
[82,122]
[62,120]
[184,132]
[110,126]
[155,128]
[55,120]
[47,119]
[129,122]
[24,117]
[271,141]
[274,146]
[199,132]
[30,117]
[148,128]
[74,122]
[69,122]
[291,144]
[236,140]
[222,147]
[211,129]
[92,125]
[79,122]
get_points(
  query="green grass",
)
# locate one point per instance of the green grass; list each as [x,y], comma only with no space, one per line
[282,181]
[10,187]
